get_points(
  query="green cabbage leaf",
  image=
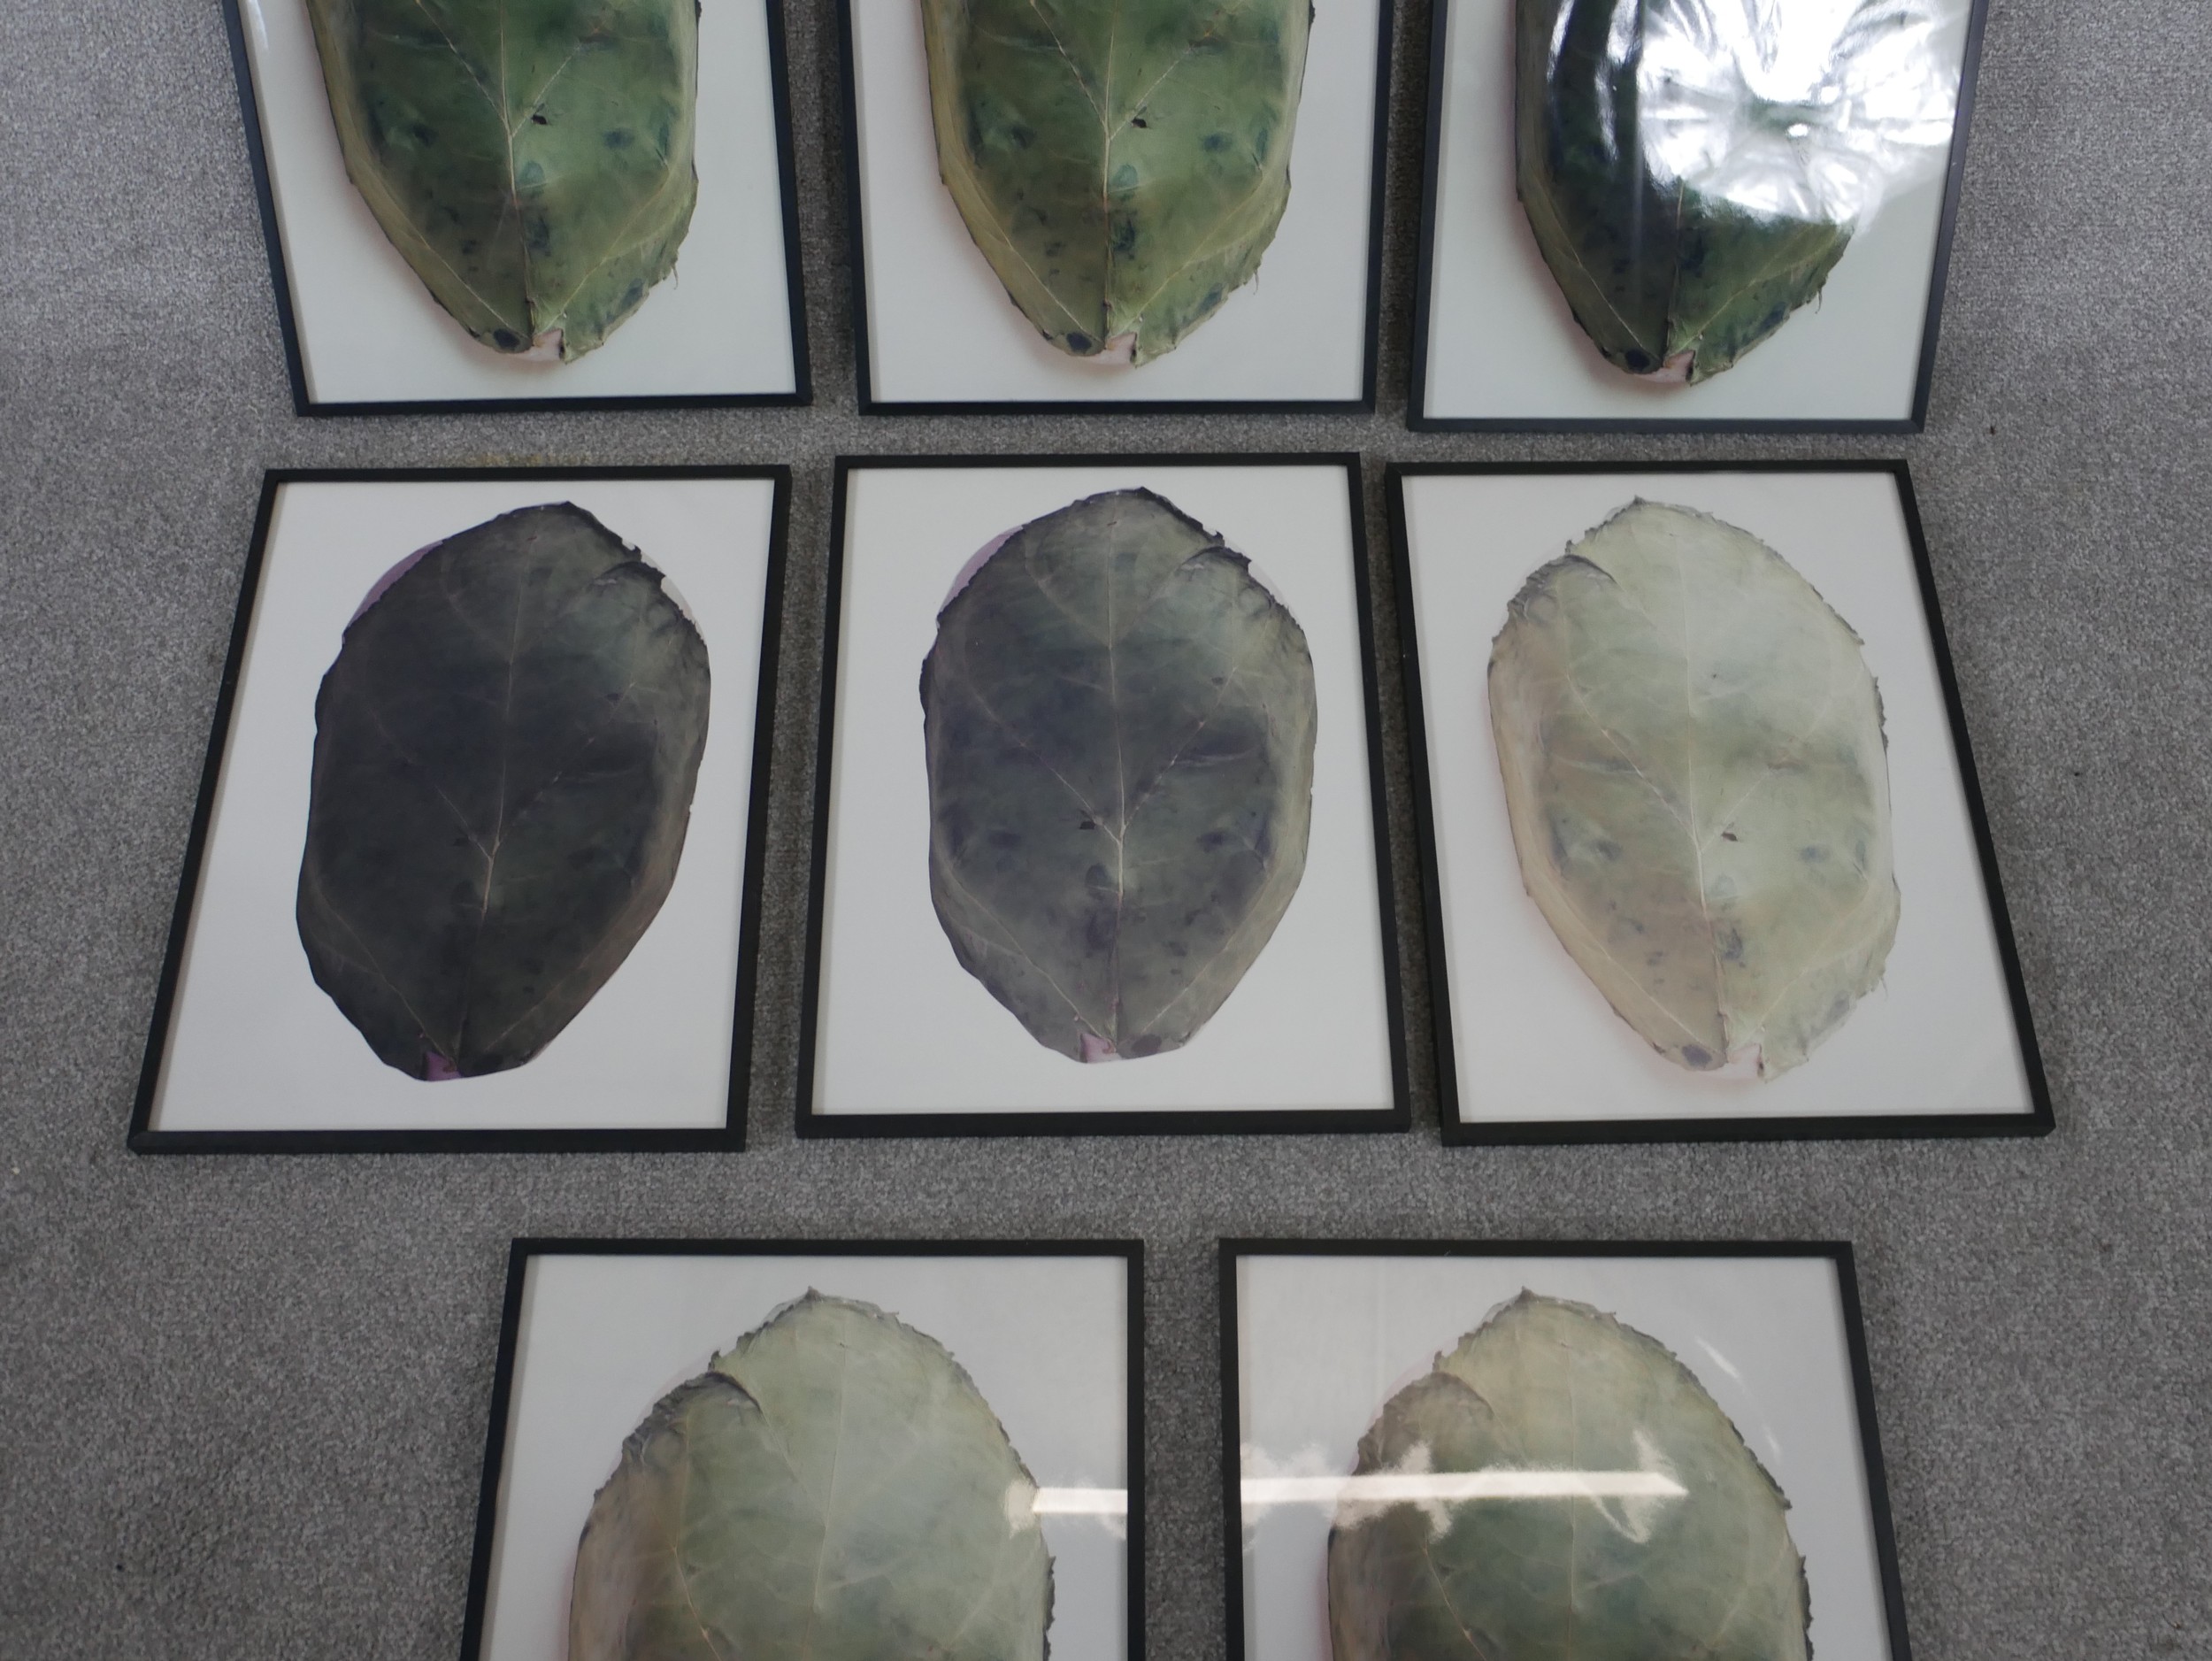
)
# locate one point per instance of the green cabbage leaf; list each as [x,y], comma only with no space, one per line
[1550,1386]
[1123,165]
[1119,724]
[506,752]
[833,1488]
[532,159]
[1698,783]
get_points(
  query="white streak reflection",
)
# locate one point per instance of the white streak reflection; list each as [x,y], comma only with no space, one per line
[1080,1501]
[1401,1487]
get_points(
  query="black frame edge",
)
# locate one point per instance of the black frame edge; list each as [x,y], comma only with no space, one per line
[787,188]
[1946,224]
[2044,1118]
[751,881]
[1139,1122]
[1443,1044]
[1136,1456]
[1379,800]
[1459,1132]
[1232,1448]
[265,194]
[855,249]
[1431,139]
[1377,196]
[1845,1263]
[142,1139]
[805,1120]
[486,1530]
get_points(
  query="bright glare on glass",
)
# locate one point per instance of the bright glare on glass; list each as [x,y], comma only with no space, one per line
[1811,109]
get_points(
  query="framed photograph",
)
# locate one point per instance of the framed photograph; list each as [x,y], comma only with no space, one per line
[1704,850]
[1099,840]
[1535,1448]
[1675,216]
[597,212]
[476,862]
[1050,213]
[737,1448]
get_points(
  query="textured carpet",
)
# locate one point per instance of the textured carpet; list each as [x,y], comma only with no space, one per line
[243,1398]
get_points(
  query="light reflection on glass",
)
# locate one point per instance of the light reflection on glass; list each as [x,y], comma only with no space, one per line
[1811,109]
[1418,1487]
[1080,1501]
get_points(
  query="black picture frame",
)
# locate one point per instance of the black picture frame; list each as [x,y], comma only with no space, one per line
[856,253]
[521,1250]
[1418,417]
[280,281]
[1460,1132]
[142,1138]
[811,1124]
[1838,1253]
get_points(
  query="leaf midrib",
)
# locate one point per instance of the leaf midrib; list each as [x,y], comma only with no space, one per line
[510,117]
